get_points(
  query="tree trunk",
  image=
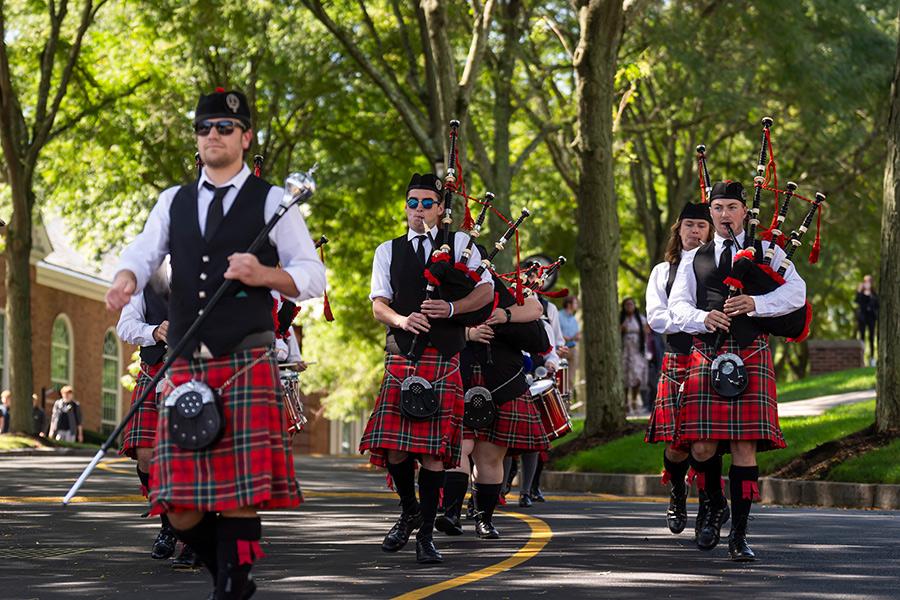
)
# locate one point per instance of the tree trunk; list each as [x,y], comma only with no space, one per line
[18,303]
[887,410]
[597,257]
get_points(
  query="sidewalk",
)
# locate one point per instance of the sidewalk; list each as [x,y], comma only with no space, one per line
[816,406]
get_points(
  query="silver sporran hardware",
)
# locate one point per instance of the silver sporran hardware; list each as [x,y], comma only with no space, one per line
[195,417]
[728,375]
[418,400]
[481,410]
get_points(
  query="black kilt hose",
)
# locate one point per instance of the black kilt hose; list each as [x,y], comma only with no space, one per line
[753,415]
[664,418]
[517,425]
[440,435]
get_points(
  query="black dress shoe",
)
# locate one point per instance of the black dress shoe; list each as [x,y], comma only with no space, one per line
[448,524]
[164,546]
[711,532]
[537,495]
[249,590]
[738,549]
[676,515]
[702,510]
[525,501]
[186,559]
[400,532]
[486,530]
[426,553]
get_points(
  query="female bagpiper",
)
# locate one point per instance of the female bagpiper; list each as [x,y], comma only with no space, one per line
[692,229]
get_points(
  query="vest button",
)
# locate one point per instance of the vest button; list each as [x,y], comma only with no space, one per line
[201,294]
[202,276]
[200,312]
[204,258]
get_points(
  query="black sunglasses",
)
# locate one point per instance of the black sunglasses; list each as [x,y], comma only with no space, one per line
[426,202]
[224,127]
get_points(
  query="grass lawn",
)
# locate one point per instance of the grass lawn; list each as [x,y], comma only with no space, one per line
[16,442]
[851,380]
[631,455]
[878,466]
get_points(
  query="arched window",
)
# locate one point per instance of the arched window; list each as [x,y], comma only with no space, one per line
[61,352]
[111,390]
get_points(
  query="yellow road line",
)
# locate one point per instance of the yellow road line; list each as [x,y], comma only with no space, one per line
[539,537]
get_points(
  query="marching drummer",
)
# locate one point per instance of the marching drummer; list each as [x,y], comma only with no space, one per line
[212,487]
[748,422]
[428,429]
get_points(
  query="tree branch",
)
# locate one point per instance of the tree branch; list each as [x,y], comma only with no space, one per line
[96,108]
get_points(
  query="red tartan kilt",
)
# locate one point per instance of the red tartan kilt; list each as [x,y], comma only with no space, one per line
[753,415]
[251,465]
[140,432]
[517,425]
[662,425]
[440,436]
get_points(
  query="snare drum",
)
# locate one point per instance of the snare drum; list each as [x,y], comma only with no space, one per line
[562,380]
[293,405]
[552,408]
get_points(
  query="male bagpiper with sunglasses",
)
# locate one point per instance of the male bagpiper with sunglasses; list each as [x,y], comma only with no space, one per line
[212,486]
[394,438]
[748,422]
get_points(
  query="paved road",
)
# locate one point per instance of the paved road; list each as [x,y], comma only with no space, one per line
[595,547]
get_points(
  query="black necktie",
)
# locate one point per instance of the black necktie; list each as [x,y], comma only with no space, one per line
[420,249]
[216,212]
[725,259]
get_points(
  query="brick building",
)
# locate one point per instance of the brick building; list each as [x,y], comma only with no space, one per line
[74,341]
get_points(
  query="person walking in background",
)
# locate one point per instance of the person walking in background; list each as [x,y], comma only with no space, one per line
[5,401]
[634,363]
[571,334]
[65,423]
[867,313]
[38,416]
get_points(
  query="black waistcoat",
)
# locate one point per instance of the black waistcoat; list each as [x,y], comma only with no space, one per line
[712,292]
[679,342]
[156,310]
[408,284]
[198,268]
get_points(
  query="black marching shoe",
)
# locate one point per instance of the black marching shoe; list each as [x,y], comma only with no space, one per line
[186,559]
[537,495]
[711,532]
[448,523]
[399,534]
[702,510]
[249,590]
[164,546]
[676,515]
[426,553]
[485,530]
[525,501]
[738,548]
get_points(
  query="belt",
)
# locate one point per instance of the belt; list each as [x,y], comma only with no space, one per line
[254,340]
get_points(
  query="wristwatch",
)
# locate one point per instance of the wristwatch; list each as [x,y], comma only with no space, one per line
[508,315]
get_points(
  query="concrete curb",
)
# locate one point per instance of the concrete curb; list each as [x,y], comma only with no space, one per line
[772,490]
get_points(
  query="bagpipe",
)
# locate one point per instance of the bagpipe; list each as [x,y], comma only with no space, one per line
[752,271]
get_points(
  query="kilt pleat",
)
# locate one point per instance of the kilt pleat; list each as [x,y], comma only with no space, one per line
[705,415]
[251,465]
[440,435]
[140,432]
[517,425]
[662,424]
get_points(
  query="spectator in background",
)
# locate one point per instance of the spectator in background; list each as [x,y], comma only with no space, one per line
[656,348]
[5,400]
[634,362]
[65,424]
[571,334]
[867,313]
[38,416]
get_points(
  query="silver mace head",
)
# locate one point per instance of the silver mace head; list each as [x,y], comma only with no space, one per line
[299,186]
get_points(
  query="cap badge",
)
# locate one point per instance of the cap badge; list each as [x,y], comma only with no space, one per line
[233,102]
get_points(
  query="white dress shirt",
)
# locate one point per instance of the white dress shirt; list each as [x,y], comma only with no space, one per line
[381,264]
[287,349]
[290,236]
[555,334]
[683,299]
[132,326]
[657,301]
